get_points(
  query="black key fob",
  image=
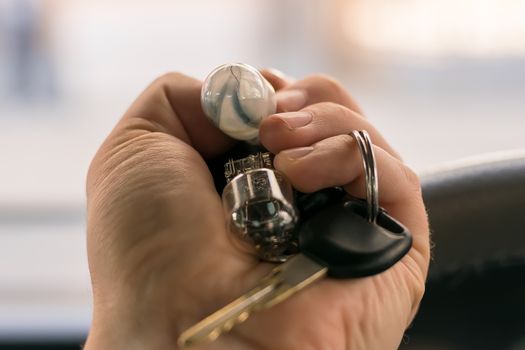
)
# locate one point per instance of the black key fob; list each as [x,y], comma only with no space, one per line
[309,204]
[341,238]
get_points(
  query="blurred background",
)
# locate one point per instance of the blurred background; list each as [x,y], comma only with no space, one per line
[442,79]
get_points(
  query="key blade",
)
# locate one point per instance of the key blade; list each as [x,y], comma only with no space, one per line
[294,275]
[284,280]
[225,318]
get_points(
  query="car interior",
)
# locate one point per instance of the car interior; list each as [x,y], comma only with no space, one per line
[442,80]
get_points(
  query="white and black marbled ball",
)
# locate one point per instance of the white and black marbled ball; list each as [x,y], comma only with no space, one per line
[236,98]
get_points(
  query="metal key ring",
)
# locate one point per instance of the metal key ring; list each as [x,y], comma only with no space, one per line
[369,162]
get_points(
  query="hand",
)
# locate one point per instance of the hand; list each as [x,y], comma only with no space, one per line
[159,254]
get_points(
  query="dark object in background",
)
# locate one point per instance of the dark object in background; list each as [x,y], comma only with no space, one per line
[475,296]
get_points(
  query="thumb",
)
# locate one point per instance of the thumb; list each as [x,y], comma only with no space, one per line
[171,105]
[149,176]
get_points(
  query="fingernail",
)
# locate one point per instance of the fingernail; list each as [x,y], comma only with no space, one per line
[291,100]
[295,119]
[296,153]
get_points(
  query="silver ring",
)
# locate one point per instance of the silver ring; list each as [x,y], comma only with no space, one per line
[369,162]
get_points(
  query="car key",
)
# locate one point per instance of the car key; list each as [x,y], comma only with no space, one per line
[276,286]
[338,241]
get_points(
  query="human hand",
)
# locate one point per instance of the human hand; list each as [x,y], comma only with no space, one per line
[159,254]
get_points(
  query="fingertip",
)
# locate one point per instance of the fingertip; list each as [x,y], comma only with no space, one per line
[294,164]
[281,163]
[270,133]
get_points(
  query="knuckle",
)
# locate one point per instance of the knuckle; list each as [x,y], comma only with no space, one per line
[327,81]
[328,111]
[92,176]
[334,108]
[347,141]
[330,85]
[411,177]
[170,76]
[163,80]
[416,281]
[418,293]
[340,110]
[129,156]
[98,167]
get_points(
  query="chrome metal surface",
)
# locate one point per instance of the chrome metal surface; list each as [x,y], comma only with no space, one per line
[259,211]
[367,155]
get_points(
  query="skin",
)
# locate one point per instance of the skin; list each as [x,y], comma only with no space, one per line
[159,254]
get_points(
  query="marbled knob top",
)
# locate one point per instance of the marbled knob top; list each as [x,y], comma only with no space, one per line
[236,98]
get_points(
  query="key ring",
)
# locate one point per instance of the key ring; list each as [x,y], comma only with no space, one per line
[369,163]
